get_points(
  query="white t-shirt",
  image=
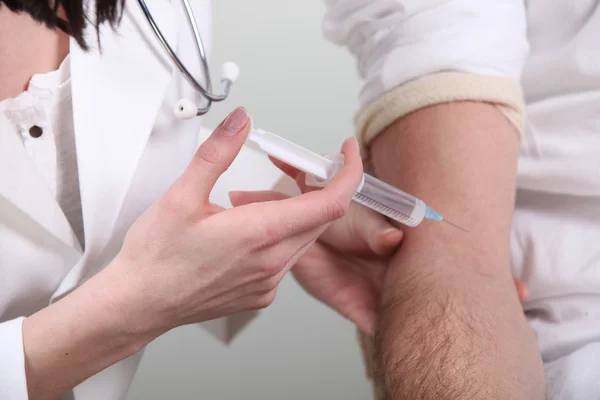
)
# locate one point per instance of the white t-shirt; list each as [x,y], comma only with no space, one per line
[43,117]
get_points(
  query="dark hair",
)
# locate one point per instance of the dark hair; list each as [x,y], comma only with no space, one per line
[76,18]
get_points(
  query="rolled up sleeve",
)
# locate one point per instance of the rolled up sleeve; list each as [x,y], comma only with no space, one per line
[13,384]
[416,53]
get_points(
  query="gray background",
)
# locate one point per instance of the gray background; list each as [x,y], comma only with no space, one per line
[297,84]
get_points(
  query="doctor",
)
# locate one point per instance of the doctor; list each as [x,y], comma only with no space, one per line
[107,235]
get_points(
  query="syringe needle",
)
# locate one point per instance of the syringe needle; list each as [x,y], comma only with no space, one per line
[456,226]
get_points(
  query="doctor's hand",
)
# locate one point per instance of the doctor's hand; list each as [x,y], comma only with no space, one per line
[186,260]
[183,261]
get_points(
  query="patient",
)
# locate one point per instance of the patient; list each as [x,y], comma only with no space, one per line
[447,87]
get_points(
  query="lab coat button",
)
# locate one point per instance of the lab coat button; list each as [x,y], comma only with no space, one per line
[35,131]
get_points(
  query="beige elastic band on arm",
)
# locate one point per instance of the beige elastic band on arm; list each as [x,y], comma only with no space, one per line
[504,92]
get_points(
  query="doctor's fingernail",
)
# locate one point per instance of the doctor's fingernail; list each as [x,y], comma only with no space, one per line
[236,121]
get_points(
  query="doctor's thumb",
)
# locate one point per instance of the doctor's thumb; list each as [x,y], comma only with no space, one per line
[216,154]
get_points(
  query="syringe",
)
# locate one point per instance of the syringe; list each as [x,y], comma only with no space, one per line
[372,192]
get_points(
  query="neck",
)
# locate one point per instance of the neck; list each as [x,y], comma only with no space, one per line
[26,48]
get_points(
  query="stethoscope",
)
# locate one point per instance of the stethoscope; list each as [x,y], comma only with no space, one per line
[184,108]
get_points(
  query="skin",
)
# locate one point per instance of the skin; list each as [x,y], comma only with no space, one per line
[26,48]
[450,323]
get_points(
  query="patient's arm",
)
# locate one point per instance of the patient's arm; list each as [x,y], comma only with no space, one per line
[451,324]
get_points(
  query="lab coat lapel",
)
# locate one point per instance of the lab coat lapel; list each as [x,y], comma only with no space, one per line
[117,93]
[23,186]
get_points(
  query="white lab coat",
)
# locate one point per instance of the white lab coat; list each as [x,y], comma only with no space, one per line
[130,148]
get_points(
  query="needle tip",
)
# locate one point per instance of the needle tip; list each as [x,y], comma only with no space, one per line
[456,226]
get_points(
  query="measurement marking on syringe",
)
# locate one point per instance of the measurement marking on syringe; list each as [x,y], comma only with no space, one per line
[377,206]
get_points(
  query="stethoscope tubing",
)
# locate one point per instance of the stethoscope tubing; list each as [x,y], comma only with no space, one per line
[205,91]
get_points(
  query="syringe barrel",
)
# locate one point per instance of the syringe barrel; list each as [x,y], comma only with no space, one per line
[373,193]
[390,201]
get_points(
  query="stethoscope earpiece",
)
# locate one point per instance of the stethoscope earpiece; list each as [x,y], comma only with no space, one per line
[230,71]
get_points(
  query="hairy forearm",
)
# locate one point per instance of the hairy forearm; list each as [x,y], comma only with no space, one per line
[451,323]
[78,337]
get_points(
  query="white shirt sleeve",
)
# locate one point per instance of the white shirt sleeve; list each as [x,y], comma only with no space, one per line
[397,41]
[13,383]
